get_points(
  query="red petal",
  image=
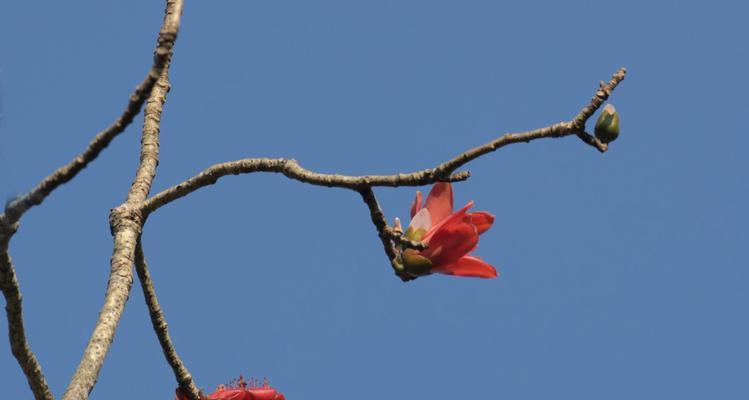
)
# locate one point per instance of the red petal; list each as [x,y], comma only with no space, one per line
[452,240]
[468,266]
[416,205]
[230,394]
[440,201]
[263,394]
[456,217]
[483,220]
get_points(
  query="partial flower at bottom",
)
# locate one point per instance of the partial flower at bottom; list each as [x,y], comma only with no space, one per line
[240,390]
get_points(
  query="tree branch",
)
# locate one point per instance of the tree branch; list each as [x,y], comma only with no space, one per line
[126,221]
[16,208]
[19,346]
[363,184]
[293,170]
[158,320]
[575,126]
[149,142]
[385,233]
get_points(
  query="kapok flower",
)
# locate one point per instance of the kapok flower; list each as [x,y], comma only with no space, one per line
[240,390]
[450,236]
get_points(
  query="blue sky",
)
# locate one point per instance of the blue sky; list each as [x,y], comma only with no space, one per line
[623,275]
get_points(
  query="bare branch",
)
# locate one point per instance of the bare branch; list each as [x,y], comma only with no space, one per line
[19,346]
[442,172]
[149,142]
[158,320]
[16,208]
[364,184]
[576,126]
[293,170]
[126,222]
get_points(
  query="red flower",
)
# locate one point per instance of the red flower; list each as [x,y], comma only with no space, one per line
[240,390]
[451,236]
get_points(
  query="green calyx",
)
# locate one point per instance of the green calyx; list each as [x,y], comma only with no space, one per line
[415,234]
[607,125]
[416,264]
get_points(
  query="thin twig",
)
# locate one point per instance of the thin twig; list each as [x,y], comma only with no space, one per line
[19,346]
[158,320]
[383,231]
[400,239]
[576,126]
[126,222]
[291,169]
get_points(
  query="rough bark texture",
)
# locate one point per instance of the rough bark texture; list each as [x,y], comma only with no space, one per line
[128,219]
[363,184]
[158,321]
[19,346]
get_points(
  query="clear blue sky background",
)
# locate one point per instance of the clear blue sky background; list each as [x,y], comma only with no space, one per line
[623,275]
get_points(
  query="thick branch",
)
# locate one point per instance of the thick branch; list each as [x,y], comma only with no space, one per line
[126,222]
[149,142]
[19,346]
[158,320]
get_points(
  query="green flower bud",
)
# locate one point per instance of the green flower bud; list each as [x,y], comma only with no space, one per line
[607,126]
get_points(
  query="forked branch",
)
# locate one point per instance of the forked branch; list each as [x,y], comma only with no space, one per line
[444,172]
[16,208]
[126,222]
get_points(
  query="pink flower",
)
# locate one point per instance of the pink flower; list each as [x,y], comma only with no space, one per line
[451,236]
[240,390]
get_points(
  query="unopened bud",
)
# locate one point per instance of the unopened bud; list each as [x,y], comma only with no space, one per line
[397,227]
[607,126]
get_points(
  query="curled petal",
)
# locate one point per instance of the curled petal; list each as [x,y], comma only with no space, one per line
[483,220]
[468,266]
[416,205]
[451,241]
[456,217]
[440,201]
